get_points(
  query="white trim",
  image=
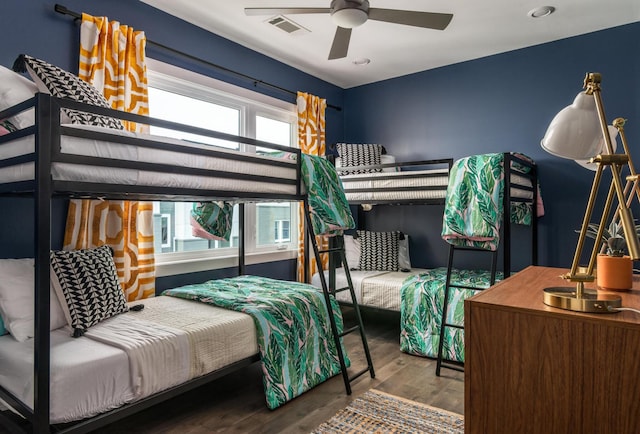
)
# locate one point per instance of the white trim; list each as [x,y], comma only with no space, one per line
[160,69]
[174,267]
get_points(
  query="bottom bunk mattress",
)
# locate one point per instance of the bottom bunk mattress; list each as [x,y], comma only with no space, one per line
[421,311]
[130,356]
[379,289]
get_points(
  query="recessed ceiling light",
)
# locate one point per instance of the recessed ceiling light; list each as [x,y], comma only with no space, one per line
[542,11]
[362,61]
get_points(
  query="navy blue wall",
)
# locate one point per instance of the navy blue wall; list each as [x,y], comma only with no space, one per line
[499,103]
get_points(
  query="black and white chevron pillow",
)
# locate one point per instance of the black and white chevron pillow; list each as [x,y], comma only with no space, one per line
[60,83]
[379,250]
[352,155]
[86,284]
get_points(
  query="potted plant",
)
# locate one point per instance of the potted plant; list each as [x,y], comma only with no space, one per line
[614,269]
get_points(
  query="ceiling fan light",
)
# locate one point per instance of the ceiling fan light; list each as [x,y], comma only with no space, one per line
[349,18]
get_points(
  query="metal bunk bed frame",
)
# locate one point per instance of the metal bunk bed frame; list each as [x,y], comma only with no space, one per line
[532,176]
[43,189]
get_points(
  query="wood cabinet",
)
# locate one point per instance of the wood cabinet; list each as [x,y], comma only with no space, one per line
[532,368]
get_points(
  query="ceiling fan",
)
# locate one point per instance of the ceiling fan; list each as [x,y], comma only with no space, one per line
[347,14]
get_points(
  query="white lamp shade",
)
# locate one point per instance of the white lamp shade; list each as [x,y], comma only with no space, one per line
[613,134]
[574,133]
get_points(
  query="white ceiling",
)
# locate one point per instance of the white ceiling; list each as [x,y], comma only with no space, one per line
[478,29]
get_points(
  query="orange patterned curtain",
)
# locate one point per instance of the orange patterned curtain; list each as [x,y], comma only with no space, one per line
[112,58]
[311,139]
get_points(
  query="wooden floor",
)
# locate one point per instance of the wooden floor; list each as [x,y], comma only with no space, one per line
[236,403]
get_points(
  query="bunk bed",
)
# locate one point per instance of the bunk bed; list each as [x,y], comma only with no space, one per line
[45,159]
[418,294]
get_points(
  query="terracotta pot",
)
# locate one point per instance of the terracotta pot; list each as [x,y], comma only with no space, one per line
[614,273]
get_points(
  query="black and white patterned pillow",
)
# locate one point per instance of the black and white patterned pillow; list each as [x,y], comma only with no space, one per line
[359,155]
[60,83]
[86,284]
[379,250]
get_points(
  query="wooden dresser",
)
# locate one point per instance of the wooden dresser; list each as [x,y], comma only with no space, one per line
[531,368]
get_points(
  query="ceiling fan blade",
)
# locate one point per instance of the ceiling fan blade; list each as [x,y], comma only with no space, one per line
[340,45]
[429,20]
[285,11]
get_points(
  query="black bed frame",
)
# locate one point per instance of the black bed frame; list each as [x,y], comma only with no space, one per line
[43,189]
[505,240]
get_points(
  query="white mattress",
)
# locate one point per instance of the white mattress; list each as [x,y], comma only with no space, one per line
[392,182]
[178,158]
[380,289]
[89,377]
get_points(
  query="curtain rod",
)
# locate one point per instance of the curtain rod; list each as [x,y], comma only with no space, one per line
[64,11]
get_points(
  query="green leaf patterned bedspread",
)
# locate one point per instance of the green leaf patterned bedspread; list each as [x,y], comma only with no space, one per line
[296,345]
[473,206]
[328,206]
[422,298]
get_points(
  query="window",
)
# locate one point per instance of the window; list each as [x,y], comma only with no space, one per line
[185,97]
[281,233]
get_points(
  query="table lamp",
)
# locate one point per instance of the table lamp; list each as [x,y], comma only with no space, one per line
[578,132]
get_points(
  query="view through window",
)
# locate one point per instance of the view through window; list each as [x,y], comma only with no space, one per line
[269,225]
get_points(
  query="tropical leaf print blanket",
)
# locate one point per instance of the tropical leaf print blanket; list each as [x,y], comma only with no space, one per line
[422,299]
[296,345]
[329,209]
[473,206]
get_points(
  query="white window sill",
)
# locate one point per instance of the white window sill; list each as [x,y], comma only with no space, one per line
[171,268]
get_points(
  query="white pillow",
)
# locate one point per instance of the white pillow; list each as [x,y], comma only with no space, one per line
[352,249]
[17,299]
[15,88]
[404,260]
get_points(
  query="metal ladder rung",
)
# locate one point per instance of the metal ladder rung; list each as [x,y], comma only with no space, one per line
[474,288]
[453,365]
[455,326]
[346,288]
[331,250]
[351,330]
[358,374]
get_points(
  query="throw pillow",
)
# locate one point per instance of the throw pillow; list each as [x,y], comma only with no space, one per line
[17,299]
[87,285]
[379,250]
[352,251]
[404,259]
[352,155]
[60,83]
[14,88]
[353,248]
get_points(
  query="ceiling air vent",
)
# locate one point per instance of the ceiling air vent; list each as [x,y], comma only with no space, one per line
[285,24]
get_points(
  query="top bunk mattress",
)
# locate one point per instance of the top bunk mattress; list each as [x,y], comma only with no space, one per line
[137,159]
[395,184]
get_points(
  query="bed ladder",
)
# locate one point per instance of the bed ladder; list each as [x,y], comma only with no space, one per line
[443,362]
[336,248]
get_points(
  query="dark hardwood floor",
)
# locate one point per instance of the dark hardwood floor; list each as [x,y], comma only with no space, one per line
[235,403]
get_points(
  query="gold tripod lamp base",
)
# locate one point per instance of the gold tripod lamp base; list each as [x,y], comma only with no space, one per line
[581,301]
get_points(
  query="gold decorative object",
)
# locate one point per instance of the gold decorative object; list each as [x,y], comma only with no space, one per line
[571,135]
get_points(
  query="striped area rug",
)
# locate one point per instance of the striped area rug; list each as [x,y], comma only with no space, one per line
[379,412]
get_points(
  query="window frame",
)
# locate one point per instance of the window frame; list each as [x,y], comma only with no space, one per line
[250,105]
